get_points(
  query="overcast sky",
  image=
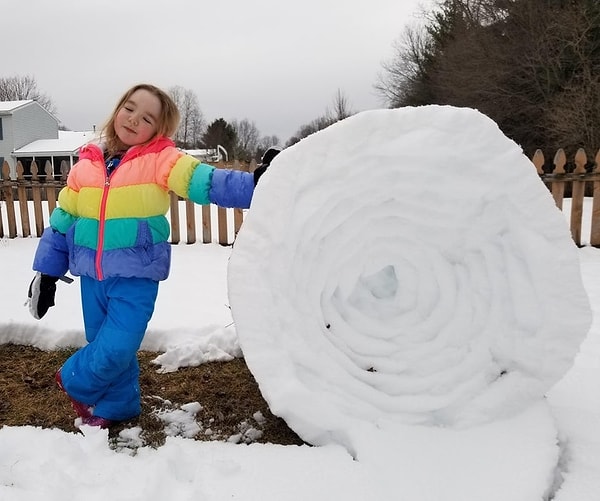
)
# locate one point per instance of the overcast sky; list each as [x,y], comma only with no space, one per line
[278,64]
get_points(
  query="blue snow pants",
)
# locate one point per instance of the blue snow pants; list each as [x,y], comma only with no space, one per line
[105,373]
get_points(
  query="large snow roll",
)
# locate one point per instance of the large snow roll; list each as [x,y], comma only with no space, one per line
[404,266]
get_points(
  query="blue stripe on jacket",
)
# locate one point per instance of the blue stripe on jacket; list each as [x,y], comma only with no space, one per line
[231,188]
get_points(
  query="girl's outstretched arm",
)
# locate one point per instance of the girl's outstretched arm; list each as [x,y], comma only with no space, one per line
[205,184]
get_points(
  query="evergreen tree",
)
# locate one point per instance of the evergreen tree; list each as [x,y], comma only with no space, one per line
[220,133]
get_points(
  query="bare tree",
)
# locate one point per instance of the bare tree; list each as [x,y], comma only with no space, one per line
[264,144]
[310,128]
[341,107]
[573,112]
[341,110]
[247,135]
[531,65]
[18,88]
[401,75]
[192,124]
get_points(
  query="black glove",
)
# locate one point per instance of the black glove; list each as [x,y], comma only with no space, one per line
[41,294]
[265,161]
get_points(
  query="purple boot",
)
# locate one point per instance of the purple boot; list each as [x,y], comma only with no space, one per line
[82,410]
[97,421]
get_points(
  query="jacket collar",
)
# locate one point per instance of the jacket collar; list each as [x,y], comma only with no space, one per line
[95,151]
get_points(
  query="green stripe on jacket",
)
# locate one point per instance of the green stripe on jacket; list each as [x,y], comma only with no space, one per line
[120,233]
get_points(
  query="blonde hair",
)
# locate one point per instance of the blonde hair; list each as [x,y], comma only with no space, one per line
[167,121]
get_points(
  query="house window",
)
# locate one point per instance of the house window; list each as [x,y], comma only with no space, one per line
[1,136]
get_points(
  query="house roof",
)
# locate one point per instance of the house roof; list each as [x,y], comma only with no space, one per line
[205,154]
[200,152]
[68,143]
[7,107]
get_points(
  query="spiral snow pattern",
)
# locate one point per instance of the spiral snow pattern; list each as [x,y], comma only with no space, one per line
[404,266]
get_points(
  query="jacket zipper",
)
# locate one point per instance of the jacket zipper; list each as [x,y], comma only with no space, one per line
[101,224]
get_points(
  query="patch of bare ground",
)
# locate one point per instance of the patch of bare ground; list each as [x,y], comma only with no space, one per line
[232,407]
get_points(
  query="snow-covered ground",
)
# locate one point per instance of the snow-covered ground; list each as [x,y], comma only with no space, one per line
[425,440]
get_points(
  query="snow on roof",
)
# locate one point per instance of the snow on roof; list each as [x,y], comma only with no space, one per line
[200,152]
[8,106]
[205,154]
[68,143]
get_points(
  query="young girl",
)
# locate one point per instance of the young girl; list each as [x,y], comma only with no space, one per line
[110,229]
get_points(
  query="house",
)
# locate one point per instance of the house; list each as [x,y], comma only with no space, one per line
[30,133]
[64,148]
[22,122]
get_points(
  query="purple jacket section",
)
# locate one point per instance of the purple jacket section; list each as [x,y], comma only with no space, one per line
[52,254]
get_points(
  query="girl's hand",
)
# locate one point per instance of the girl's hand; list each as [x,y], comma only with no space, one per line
[269,155]
[41,294]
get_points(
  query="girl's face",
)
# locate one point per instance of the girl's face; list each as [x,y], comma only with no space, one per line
[136,122]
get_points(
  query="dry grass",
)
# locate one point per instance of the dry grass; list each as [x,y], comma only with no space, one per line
[227,392]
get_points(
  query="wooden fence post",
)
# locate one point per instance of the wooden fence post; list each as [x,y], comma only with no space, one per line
[538,161]
[50,187]
[206,225]
[222,224]
[558,185]
[190,218]
[7,191]
[577,192]
[175,236]
[36,196]
[4,169]
[595,225]
[23,205]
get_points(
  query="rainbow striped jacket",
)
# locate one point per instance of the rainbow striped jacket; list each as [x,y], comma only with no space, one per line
[115,225]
